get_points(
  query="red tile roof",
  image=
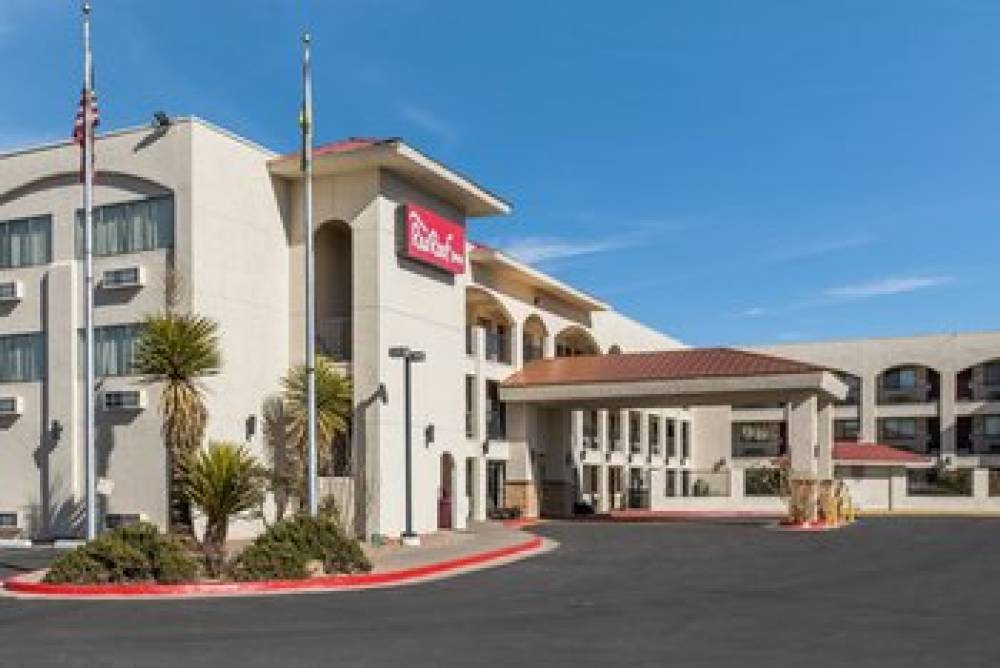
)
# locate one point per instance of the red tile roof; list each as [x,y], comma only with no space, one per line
[875,452]
[344,146]
[653,366]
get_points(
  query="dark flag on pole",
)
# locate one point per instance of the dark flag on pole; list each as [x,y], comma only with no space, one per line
[80,132]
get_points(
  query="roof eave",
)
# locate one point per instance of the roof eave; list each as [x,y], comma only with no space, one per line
[395,155]
[488,255]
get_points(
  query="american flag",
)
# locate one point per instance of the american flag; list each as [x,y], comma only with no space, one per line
[79,134]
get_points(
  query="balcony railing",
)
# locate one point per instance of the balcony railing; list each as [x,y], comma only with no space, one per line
[590,441]
[333,338]
[496,348]
[634,447]
[532,351]
[759,449]
[470,424]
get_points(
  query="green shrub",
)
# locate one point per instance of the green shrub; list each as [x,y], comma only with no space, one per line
[284,550]
[133,553]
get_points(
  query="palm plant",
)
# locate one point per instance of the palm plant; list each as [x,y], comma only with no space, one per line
[334,400]
[223,481]
[178,350]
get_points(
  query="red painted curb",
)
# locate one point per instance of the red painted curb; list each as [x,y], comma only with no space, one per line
[325,582]
[677,515]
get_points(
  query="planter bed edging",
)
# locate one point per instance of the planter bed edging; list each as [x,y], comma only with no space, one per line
[21,585]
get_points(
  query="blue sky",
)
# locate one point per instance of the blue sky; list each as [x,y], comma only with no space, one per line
[728,172]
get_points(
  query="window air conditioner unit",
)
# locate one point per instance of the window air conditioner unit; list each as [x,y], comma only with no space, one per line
[124,278]
[11,291]
[124,400]
[11,406]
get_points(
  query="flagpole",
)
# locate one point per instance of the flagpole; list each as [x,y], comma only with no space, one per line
[307,168]
[88,254]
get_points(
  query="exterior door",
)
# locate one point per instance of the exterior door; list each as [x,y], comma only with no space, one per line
[496,477]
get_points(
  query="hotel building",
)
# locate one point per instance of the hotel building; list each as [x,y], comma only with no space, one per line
[495,426]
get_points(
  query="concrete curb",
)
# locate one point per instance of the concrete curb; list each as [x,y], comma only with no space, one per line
[23,586]
[626,517]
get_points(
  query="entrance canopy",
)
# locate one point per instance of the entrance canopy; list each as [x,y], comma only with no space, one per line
[686,377]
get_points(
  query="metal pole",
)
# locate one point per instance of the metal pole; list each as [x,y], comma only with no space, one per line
[409,449]
[307,130]
[88,255]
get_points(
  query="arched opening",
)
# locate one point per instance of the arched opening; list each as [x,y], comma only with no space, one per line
[853,388]
[446,491]
[334,290]
[909,384]
[574,341]
[534,339]
[484,312]
[978,433]
[980,382]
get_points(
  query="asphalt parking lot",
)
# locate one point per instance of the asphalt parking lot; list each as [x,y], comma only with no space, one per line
[887,592]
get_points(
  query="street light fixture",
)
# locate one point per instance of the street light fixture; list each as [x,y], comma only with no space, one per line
[409,357]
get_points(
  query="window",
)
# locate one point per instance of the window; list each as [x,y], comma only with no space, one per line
[634,424]
[671,482]
[904,378]
[685,441]
[671,447]
[470,402]
[991,426]
[22,358]
[130,227]
[757,432]
[991,374]
[8,520]
[846,430]
[118,520]
[899,428]
[614,430]
[853,389]
[25,242]
[654,434]
[496,414]
[114,350]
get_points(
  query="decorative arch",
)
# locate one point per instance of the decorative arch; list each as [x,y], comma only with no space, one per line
[334,258]
[979,381]
[121,180]
[534,335]
[484,310]
[574,340]
[908,382]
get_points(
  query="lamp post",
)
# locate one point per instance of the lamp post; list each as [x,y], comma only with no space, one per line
[409,357]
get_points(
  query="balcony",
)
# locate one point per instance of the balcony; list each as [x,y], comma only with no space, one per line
[496,347]
[759,449]
[532,351]
[333,338]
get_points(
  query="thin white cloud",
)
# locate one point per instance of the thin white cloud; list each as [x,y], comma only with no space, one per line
[886,286]
[791,252]
[430,122]
[534,250]
[882,287]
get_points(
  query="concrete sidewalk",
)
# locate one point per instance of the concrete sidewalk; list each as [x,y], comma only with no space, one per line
[444,546]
